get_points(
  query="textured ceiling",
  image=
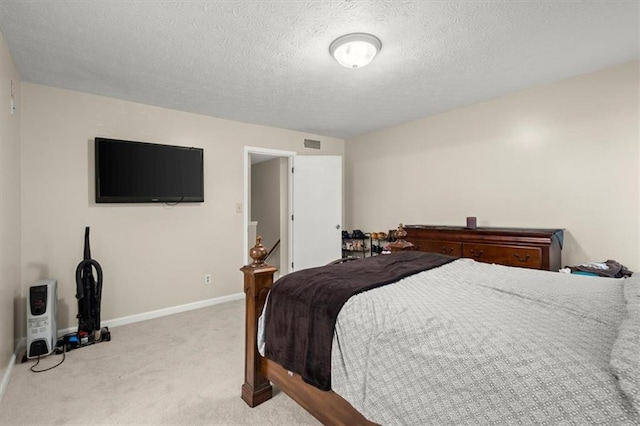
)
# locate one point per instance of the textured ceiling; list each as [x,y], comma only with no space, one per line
[267,62]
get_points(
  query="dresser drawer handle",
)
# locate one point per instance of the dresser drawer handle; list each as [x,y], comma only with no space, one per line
[474,254]
[446,250]
[526,258]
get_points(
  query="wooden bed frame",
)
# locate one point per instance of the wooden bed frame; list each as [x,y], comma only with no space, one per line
[259,372]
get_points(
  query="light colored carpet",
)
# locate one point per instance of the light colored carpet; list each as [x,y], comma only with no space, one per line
[183,369]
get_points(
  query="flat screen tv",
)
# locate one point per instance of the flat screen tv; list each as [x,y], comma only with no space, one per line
[140,172]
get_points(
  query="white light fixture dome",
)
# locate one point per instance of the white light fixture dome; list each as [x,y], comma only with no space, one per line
[355,50]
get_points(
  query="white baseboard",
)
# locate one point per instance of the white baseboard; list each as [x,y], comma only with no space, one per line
[122,321]
[12,362]
[161,312]
[7,375]
[170,311]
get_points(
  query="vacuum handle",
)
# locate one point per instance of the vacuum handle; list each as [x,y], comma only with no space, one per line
[87,247]
[81,265]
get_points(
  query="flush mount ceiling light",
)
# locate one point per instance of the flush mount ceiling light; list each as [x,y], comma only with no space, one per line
[355,50]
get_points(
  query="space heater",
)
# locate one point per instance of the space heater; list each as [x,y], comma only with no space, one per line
[42,302]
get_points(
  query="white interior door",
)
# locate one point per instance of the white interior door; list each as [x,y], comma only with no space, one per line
[317,210]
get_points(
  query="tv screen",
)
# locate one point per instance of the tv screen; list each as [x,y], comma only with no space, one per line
[140,172]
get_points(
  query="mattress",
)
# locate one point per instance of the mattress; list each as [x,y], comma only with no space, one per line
[475,343]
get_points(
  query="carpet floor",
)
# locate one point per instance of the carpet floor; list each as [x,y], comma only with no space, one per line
[182,369]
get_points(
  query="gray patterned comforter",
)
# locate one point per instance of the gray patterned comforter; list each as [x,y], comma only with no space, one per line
[473,343]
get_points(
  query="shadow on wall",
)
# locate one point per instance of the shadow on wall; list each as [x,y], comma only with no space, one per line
[571,245]
[63,313]
[19,319]
[41,270]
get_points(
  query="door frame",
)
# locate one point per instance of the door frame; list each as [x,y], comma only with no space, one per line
[248,150]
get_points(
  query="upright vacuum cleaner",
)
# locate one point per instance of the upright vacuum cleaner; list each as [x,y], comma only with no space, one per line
[89,295]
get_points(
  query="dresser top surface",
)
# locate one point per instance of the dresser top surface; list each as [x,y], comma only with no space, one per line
[484,228]
[488,230]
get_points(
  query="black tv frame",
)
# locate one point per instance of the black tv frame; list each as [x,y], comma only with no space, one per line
[145,199]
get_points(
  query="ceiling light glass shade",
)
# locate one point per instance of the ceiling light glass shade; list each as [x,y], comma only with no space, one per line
[355,50]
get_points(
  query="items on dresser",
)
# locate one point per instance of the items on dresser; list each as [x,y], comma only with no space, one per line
[609,268]
[525,247]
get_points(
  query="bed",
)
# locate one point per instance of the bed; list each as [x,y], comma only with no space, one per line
[462,342]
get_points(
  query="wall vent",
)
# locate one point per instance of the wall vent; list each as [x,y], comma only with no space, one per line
[310,143]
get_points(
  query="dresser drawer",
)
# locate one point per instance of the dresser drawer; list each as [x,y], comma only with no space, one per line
[525,257]
[524,247]
[442,247]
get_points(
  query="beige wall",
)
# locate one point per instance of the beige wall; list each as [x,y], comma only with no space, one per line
[11,302]
[561,155]
[154,256]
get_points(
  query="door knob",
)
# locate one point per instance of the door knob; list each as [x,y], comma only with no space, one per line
[337,226]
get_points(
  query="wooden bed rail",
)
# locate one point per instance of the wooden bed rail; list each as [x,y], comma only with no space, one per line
[326,406]
[258,279]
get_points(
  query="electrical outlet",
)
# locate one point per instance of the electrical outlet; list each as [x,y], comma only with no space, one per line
[207,279]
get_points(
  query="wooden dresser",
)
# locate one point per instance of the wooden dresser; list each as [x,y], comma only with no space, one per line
[524,247]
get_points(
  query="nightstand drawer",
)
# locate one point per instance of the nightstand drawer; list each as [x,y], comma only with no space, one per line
[525,257]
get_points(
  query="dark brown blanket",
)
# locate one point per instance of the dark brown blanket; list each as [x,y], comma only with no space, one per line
[303,307]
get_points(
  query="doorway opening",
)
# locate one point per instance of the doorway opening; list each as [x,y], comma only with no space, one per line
[268,204]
